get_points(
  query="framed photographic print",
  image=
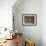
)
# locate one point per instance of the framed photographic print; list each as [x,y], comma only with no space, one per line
[29,19]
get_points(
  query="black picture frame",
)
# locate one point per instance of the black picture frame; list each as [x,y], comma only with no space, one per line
[29,19]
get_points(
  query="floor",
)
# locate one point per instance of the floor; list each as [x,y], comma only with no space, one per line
[9,43]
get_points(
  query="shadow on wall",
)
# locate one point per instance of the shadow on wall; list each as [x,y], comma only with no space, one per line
[17,4]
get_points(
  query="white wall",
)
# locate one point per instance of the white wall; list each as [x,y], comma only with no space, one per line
[43,22]
[28,7]
[6,13]
[25,7]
